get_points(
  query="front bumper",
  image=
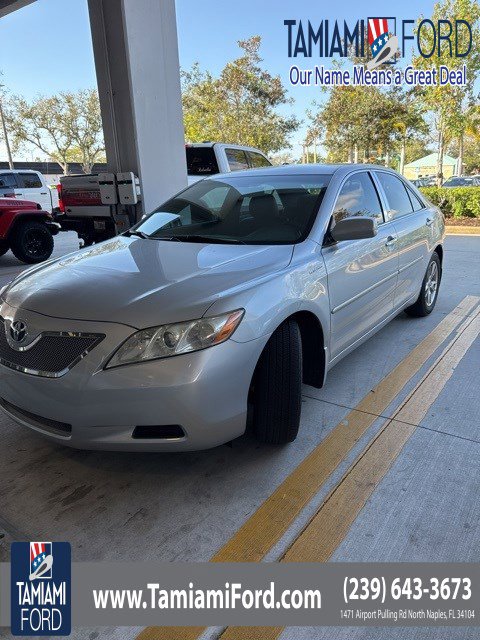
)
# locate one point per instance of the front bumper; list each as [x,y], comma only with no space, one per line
[204,392]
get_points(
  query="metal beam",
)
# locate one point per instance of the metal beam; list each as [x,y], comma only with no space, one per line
[8,6]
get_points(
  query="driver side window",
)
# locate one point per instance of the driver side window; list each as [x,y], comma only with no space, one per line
[358,197]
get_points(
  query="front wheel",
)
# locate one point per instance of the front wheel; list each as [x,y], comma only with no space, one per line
[277,387]
[427,298]
[31,242]
[3,247]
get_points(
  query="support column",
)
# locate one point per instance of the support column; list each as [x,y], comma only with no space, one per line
[136,60]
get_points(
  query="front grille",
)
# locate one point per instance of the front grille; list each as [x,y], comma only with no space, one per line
[44,424]
[52,355]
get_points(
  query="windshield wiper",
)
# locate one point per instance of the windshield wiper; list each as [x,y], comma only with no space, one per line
[139,234]
[198,238]
[213,240]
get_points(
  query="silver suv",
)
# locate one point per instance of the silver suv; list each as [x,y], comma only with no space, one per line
[228,295]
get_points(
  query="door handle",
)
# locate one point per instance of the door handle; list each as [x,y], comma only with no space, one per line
[429,222]
[43,193]
[391,240]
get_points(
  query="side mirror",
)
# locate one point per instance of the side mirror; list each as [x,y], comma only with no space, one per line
[354,229]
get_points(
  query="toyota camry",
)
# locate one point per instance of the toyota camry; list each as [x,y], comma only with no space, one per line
[218,304]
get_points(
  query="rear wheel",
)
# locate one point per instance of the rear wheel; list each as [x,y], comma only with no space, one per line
[31,242]
[427,298]
[277,386]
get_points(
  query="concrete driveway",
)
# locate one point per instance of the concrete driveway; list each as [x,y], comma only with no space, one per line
[414,385]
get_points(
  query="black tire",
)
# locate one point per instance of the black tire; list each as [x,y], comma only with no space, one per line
[31,242]
[3,247]
[277,387]
[426,300]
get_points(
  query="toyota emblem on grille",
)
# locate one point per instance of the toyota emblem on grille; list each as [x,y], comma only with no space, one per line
[18,331]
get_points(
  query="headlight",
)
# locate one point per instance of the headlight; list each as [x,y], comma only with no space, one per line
[174,339]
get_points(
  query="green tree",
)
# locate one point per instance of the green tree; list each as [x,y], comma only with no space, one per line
[240,106]
[467,145]
[448,103]
[66,127]
[357,123]
[84,121]
[408,122]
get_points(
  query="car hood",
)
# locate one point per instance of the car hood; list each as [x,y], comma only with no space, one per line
[143,282]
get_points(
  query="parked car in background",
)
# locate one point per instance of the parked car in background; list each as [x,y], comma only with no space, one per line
[426,181]
[462,181]
[221,301]
[30,185]
[209,158]
[26,229]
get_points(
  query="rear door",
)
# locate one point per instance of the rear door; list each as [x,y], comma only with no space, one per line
[412,221]
[362,274]
[32,187]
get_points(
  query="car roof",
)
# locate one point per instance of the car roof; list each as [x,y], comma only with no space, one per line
[303,170]
[18,171]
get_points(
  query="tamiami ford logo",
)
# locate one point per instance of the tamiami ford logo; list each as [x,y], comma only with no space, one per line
[40,588]
[374,45]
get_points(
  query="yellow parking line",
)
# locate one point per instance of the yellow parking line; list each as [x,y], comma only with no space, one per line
[322,536]
[273,518]
[462,231]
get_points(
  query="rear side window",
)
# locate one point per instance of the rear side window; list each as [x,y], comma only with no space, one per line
[358,197]
[237,159]
[7,180]
[29,181]
[257,160]
[201,161]
[398,201]
[417,204]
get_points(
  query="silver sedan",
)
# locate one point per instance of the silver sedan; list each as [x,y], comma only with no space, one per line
[221,301]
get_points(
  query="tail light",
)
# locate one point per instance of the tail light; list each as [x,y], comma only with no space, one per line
[61,206]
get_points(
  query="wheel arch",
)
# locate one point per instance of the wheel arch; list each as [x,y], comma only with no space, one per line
[21,218]
[313,347]
[439,251]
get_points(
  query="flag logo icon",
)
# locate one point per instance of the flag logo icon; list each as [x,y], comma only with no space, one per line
[383,43]
[41,560]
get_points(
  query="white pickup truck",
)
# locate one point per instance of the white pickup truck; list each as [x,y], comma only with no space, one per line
[28,185]
[208,158]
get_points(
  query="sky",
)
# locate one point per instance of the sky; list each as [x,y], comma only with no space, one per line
[46,47]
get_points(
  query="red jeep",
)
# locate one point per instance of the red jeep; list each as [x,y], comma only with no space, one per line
[27,230]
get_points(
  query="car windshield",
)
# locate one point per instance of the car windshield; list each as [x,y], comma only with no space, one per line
[239,210]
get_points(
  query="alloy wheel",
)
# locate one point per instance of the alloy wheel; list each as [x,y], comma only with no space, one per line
[431,284]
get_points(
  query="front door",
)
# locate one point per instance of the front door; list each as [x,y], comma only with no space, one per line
[362,274]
